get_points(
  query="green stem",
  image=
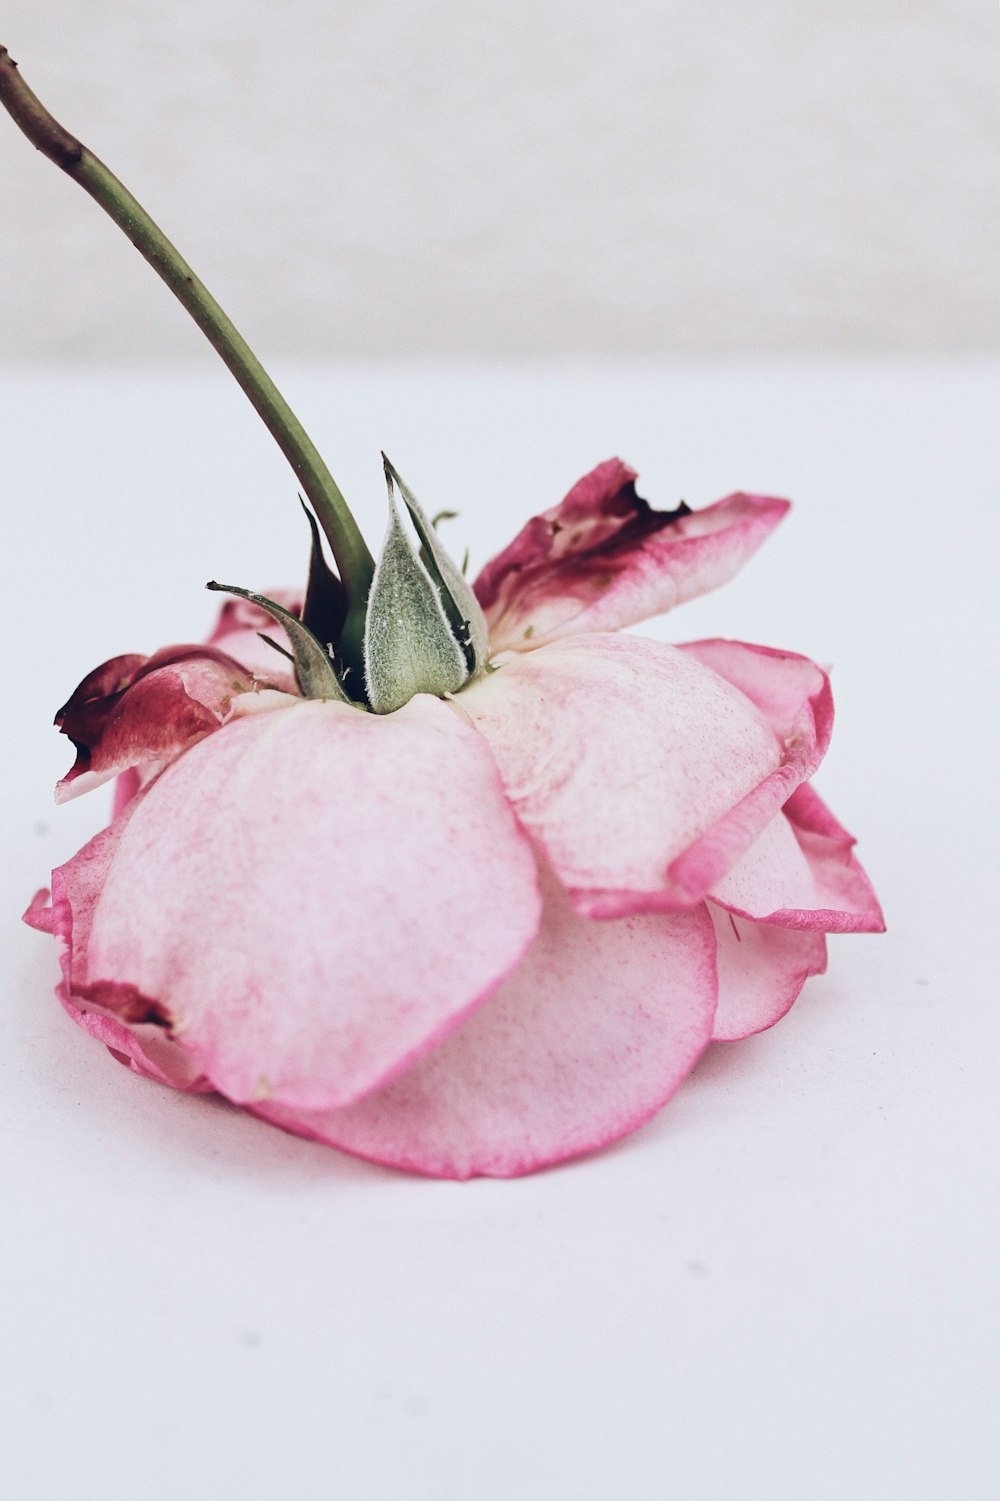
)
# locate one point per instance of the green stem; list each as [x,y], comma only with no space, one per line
[353,558]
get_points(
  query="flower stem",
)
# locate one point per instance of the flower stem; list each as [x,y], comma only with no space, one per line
[353,558]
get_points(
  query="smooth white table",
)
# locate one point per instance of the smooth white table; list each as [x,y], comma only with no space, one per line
[785,1287]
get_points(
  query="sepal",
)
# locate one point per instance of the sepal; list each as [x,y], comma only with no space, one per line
[314,670]
[461,606]
[325,608]
[410,646]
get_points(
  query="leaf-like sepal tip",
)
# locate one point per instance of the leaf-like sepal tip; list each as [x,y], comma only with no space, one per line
[314,671]
[461,606]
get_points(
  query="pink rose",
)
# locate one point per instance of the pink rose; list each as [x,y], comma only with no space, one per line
[482,931]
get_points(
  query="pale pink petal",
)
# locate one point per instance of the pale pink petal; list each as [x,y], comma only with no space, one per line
[310,899]
[143,1048]
[761,971]
[602,559]
[643,774]
[793,696]
[587,1039]
[140,1042]
[147,713]
[845,892]
[801,873]
[778,682]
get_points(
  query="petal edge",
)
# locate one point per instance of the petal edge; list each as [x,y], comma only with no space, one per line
[603,559]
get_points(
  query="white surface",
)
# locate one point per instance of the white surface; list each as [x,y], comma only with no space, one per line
[785,1287]
[376,176]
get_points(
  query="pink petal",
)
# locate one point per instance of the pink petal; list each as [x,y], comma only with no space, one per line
[761,972]
[147,712]
[793,695]
[142,1044]
[644,774]
[843,885]
[602,559]
[801,873]
[143,1047]
[587,1039]
[778,682]
[308,900]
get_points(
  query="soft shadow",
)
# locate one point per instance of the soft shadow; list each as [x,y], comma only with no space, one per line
[720,1063]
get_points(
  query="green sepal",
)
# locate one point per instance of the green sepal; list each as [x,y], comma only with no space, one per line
[325,608]
[270,641]
[314,671]
[461,605]
[410,646]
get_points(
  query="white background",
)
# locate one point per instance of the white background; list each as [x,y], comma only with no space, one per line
[785,1286]
[481,176]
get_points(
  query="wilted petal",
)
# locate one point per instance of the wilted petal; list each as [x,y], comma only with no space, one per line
[761,972]
[644,774]
[148,713]
[793,696]
[84,716]
[845,891]
[587,1039]
[801,873]
[310,899]
[144,1048]
[778,682]
[142,1045]
[602,559]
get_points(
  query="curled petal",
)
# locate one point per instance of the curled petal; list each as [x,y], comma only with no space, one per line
[104,682]
[257,701]
[844,889]
[308,900]
[587,1039]
[603,559]
[801,872]
[793,696]
[142,1045]
[146,712]
[762,969]
[643,773]
[778,682]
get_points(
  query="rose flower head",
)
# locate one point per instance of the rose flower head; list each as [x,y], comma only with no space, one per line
[460,879]
[479,903]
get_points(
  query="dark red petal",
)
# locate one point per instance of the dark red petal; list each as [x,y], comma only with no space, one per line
[154,708]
